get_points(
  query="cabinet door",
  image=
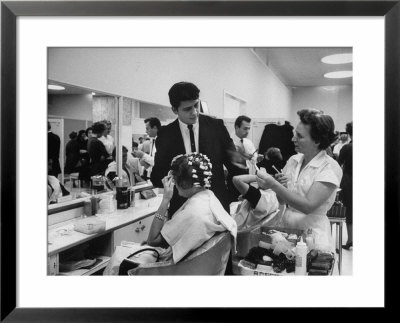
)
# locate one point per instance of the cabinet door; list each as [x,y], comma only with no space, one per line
[136,232]
[144,227]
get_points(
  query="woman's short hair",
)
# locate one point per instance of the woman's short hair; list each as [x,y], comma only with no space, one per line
[73,135]
[99,127]
[322,127]
[349,128]
[182,91]
[274,153]
[87,131]
[192,169]
[80,134]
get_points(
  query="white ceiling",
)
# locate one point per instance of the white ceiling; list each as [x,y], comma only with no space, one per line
[302,66]
[294,66]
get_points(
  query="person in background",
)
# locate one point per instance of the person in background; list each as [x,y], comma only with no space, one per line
[192,132]
[246,153]
[257,207]
[72,163]
[197,221]
[244,145]
[89,133]
[310,179]
[134,164]
[128,174]
[55,189]
[343,140]
[272,157]
[83,157]
[53,150]
[153,126]
[107,139]
[140,145]
[99,157]
[146,145]
[346,161]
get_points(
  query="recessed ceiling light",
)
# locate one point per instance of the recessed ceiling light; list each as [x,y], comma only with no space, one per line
[55,87]
[338,59]
[329,88]
[339,74]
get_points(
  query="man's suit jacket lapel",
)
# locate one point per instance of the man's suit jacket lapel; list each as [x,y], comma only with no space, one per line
[204,136]
[177,138]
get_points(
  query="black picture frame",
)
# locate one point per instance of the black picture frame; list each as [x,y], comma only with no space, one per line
[10,11]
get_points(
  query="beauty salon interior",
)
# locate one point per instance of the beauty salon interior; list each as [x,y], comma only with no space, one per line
[200,161]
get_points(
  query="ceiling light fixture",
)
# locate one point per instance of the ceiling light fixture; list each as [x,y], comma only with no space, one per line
[339,74]
[338,59]
[55,87]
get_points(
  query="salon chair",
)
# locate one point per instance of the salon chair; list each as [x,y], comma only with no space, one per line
[208,259]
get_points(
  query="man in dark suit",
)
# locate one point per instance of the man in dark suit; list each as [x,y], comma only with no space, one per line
[53,151]
[191,132]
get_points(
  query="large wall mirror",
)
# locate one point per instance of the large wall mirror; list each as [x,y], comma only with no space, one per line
[72,112]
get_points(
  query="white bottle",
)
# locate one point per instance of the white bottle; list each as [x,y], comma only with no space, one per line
[301,258]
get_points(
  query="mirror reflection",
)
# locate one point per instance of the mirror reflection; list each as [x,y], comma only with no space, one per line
[83,135]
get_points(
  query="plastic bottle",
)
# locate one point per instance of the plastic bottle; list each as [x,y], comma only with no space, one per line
[301,258]
[310,239]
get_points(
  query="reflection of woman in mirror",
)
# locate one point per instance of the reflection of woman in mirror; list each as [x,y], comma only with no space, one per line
[107,139]
[54,188]
[84,156]
[72,163]
[99,157]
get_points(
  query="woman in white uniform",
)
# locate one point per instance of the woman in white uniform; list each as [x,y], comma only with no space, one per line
[309,181]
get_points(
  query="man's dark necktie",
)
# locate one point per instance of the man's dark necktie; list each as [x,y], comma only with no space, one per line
[192,142]
[152,147]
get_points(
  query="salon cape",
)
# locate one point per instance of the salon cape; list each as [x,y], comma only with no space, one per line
[198,219]
[264,212]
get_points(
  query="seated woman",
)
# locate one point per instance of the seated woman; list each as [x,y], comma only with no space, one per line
[310,179]
[55,189]
[258,205]
[130,174]
[195,222]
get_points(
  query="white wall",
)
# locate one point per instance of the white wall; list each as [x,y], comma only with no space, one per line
[146,74]
[71,106]
[335,101]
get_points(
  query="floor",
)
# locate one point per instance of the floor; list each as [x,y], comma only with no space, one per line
[347,256]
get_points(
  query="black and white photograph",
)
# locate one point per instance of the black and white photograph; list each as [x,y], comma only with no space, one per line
[149,147]
[247,153]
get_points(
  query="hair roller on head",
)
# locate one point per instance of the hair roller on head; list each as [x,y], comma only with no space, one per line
[192,170]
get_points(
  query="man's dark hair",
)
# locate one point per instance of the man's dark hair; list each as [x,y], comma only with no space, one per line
[99,127]
[153,122]
[48,125]
[240,119]
[135,144]
[182,91]
[349,129]
[73,135]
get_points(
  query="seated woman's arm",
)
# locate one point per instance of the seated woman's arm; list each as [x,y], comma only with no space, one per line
[316,196]
[155,239]
[241,182]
